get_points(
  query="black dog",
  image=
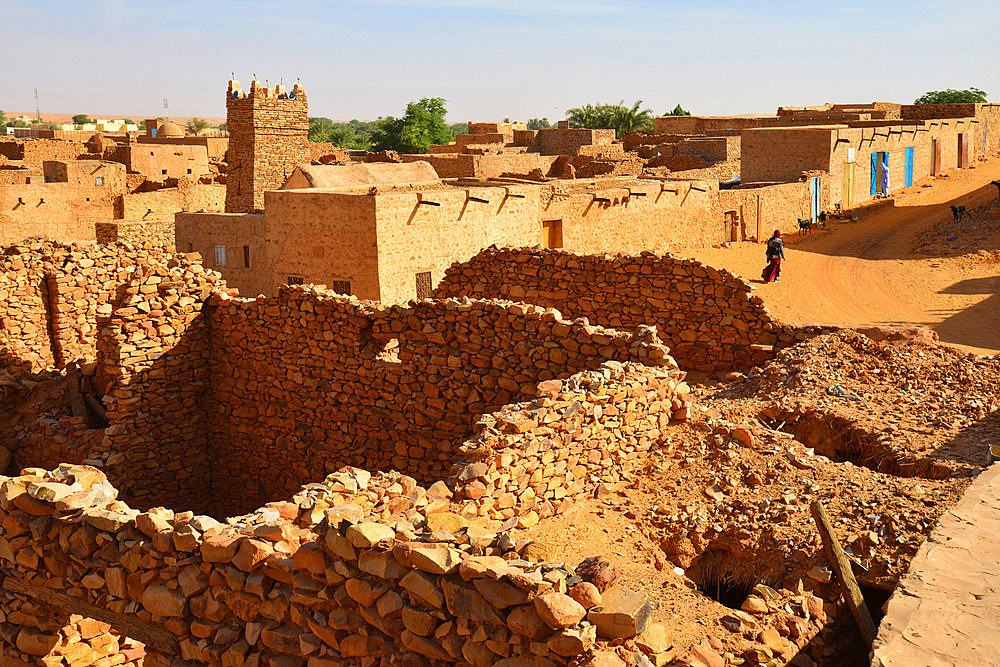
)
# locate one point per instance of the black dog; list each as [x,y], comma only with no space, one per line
[958,211]
[805,225]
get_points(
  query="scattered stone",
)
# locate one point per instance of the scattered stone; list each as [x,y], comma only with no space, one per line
[586,594]
[622,613]
[559,611]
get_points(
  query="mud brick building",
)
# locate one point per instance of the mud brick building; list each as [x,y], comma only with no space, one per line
[268,138]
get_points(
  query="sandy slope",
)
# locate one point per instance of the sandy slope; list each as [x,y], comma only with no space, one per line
[868,272]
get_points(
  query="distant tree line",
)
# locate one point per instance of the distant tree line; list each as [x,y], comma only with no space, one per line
[421,125]
[952,96]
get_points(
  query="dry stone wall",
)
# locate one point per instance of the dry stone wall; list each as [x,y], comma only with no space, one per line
[157,232]
[357,569]
[119,327]
[709,316]
[310,381]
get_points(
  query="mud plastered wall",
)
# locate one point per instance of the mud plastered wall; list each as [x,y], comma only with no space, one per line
[310,381]
[709,315]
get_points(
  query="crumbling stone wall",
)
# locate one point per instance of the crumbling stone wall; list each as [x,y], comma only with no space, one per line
[36,151]
[166,202]
[156,232]
[337,381]
[153,375]
[352,569]
[709,315]
[55,294]
[130,318]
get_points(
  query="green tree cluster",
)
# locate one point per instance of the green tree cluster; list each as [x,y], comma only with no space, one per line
[618,117]
[3,124]
[421,126]
[354,135]
[539,124]
[952,96]
[678,111]
[196,125]
[81,119]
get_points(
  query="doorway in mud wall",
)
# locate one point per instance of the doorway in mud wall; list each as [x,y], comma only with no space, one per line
[552,236]
[847,187]
[732,228]
[963,150]
[880,160]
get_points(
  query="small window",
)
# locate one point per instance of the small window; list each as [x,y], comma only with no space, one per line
[294,280]
[100,180]
[342,286]
[163,171]
[151,152]
[189,171]
[190,247]
[246,257]
[424,286]
[220,255]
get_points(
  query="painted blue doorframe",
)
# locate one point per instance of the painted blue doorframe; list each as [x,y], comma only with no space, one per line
[878,159]
[874,178]
[909,166]
[814,191]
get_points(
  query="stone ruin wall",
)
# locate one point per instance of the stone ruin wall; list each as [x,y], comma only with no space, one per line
[356,569]
[336,381]
[709,315]
[254,589]
[123,324]
[308,381]
[158,232]
[34,152]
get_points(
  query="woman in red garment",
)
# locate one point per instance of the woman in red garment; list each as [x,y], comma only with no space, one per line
[775,253]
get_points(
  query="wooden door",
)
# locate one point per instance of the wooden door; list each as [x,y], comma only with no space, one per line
[935,157]
[552,233]
[732,225]
[963,150]
[847,187]
[909,167]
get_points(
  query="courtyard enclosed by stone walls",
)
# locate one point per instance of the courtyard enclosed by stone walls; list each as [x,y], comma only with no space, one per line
[310,479]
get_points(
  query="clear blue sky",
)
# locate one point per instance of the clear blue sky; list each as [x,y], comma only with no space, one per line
[492,58]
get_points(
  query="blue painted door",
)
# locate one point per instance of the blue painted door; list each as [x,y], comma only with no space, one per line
[874,178]
[909,166]
[814,191]
[879,158]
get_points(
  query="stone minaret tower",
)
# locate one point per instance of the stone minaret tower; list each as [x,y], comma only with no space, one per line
[268,138]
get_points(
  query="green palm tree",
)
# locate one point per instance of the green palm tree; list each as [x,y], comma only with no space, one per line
[630,119]
[585,116]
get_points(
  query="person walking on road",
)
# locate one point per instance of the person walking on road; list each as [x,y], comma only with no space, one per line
[775,253]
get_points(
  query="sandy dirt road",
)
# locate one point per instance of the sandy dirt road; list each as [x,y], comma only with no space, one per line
[869,273]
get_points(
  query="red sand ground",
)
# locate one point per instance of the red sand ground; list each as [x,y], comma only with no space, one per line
[907,264]
[876,271]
